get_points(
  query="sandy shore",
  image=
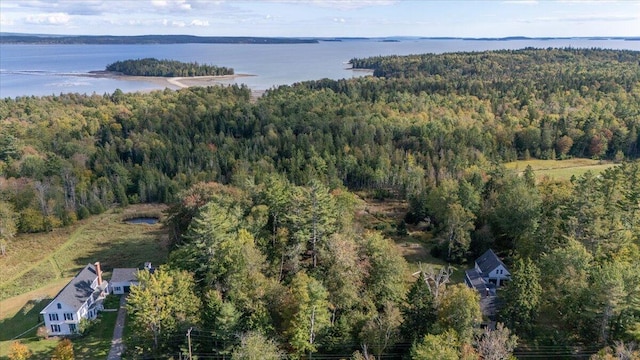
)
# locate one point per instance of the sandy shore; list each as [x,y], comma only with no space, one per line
[170,82]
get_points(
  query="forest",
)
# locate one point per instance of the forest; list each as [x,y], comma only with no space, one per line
[166,68]
[269,256]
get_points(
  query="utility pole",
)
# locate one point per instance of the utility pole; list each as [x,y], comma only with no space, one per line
[189,340]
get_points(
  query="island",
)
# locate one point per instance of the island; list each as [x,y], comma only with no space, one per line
[166,68]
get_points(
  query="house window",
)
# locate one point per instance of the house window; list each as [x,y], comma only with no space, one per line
[55,328]
[118,288]
[73,328]
[59,306]
[53,317]
[68,316]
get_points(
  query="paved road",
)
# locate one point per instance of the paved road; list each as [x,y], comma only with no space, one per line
[117,347]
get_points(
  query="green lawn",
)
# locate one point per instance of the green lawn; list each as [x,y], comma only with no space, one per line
[94,345]
[560,169]
[23,320]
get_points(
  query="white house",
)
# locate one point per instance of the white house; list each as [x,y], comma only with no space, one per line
[80,299]
[488,273]
[122,279]
[492,269]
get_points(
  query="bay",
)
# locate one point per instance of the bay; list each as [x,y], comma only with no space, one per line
[40,70]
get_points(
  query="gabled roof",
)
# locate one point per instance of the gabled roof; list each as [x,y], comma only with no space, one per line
[489,261]
[78,290]
[124,275]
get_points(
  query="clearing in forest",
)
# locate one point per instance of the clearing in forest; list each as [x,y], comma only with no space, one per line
[415,246]
[560,169]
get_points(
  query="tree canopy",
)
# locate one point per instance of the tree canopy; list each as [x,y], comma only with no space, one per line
[166,68]
[266,196]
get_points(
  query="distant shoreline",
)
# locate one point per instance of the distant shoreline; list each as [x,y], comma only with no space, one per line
[176,82]
[48,39]
[44,39]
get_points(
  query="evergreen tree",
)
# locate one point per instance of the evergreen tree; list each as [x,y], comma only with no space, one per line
[418,311]
[522,296]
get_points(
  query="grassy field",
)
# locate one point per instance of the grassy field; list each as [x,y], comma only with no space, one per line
[560,169]
[37,266]
[35,260]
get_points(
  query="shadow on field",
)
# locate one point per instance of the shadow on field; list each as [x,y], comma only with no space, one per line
[128,251]
[23,320]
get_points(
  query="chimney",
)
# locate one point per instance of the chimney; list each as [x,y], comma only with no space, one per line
[98,272]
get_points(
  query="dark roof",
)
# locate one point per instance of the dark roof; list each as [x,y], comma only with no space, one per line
[489,261]
[486,290]
[78,290]
[124,275]
[475,280]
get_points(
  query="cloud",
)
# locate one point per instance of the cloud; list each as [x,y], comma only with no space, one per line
[50,18]
[521,2]
[85,7]
[173,23]
[339,4]
[198,22]
[171,5]
[5,21]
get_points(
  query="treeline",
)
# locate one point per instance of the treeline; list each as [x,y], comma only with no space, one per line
[148,39]
[166,68]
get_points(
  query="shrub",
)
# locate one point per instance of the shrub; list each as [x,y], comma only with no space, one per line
[19,351]
[64,350]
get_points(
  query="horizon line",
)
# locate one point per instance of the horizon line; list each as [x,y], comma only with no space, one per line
[2,33]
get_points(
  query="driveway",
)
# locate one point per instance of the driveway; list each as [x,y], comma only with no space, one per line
[117,346]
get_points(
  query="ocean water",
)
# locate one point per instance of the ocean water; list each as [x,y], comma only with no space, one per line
[39,70]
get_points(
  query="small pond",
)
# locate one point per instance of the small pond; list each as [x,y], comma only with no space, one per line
[142,220]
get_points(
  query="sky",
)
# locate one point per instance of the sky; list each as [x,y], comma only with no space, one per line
[324,18]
